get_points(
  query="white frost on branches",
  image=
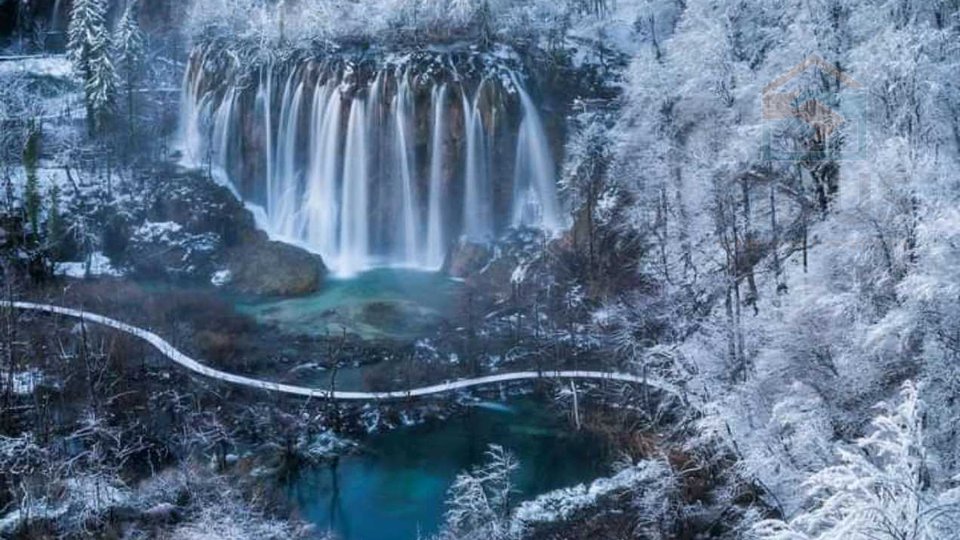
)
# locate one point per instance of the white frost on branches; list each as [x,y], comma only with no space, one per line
[879,490]
[650,477]
[89,46]
[479,500]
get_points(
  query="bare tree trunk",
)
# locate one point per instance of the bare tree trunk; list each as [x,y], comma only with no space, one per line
[576,405]
[803,216]
[735,274]
[683,225]
[775,240]
[749,247]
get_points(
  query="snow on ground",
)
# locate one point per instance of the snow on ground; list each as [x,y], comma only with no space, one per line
[47,177]
[221,278]
[56,66]
[40,87]
[11,522]
[99,265]
[22,382]
[617,29]
[324,445]
[84,496]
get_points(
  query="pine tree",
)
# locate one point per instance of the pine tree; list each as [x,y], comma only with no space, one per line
[589,158]
[55,227]
[89,50]
[31,193]
[128,41]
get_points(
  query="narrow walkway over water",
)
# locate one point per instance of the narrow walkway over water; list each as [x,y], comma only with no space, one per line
[172,353]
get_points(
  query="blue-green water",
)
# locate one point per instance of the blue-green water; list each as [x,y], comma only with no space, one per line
[395,490]
[382,303]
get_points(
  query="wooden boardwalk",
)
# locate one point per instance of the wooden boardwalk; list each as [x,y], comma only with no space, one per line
[178,357]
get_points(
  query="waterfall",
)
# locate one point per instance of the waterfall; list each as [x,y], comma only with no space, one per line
[476,219]
[322,212]
[435,240]
[190,139]
[371,167]
[403,112]
[354,234]
[535,191]
[265,102]
[55,16]
[223,130]
[284,201]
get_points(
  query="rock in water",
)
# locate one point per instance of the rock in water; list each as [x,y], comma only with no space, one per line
[274,268]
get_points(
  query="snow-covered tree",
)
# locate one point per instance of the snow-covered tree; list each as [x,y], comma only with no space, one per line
[31,195]
[479,500]
[129,51]
[881,488]
[588,158]
[89,47]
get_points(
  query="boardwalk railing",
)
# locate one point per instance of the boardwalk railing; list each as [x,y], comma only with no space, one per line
[178,357]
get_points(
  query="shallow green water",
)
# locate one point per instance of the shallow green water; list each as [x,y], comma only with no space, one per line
[382,303]
[396,489]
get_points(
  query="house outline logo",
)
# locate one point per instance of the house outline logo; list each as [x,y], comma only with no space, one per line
[825,112]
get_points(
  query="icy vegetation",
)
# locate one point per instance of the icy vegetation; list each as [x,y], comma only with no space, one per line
[652,477]
[425,21]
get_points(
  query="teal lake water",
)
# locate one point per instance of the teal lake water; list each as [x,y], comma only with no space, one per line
[384,303]
[395,490]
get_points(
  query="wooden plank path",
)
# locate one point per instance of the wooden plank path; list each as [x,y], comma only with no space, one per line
[178,357]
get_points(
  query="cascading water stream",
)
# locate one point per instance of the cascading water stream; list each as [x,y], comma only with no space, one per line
[265,102]
[284,201]
[435,240]
[535,191]
[477,221]
[372,168]
[354,234]
[322,212]
[222,133]
[403,111]
[190,137]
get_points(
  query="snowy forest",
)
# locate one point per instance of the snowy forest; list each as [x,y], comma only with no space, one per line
[480,269]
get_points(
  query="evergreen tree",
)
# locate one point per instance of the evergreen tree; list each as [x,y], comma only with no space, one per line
[31,193]
[128,41]
[55,227]
[589,157]
[89,50]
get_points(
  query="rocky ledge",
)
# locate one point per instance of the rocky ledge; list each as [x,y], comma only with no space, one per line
[189,228]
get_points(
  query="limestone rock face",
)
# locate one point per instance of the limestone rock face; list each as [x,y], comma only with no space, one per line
[192,229]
